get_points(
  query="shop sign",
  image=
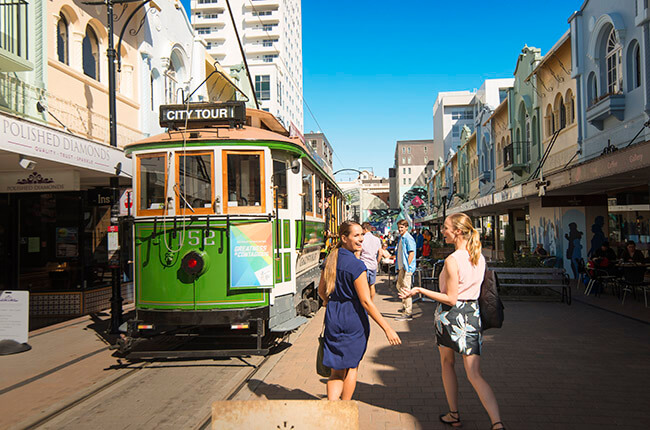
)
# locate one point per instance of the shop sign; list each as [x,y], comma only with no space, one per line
[34,140]
[562,201]
[100,196]
[251,255]
[196,114]
[508,194]
[14,315]
[39,181]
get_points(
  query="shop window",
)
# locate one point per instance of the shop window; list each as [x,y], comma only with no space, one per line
[152,182]
[194,173]
[280,181]
[91,54]
[308,191]
[244,181]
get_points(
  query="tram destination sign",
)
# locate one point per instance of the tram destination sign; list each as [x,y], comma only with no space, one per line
[203,114]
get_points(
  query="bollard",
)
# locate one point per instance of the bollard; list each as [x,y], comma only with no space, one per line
[285,414]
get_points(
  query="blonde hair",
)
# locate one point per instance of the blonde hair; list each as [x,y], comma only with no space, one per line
[333,257]
[462,222]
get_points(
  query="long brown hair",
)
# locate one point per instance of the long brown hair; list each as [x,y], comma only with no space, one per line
[333,257]
[462,222]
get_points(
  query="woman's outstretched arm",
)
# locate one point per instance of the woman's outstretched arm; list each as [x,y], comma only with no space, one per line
[363,291]
[450,271]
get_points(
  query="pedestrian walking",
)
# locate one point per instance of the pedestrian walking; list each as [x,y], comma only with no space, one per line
[343,287]
[457,317]
[369,255]
[406,265]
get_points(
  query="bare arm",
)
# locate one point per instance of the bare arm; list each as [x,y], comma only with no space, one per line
[411,257]
[363,291]
[321,289]
[451,296]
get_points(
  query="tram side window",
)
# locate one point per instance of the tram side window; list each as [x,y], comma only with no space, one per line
[307,181]
[195,181]
[280,180]
[319,197]
[244,186]
[152,182]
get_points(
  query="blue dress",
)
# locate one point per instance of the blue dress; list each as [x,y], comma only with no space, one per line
[346,322]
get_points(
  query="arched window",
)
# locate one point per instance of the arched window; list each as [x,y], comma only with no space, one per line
[549,120]
[91,54]
[592,89]
[633,66]
[569,102]
[62,40]
[562,113]
[613,61]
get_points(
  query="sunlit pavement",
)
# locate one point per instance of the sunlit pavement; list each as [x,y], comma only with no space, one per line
[551,366]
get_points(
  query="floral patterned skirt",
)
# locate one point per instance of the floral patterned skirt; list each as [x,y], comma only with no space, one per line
[459,327]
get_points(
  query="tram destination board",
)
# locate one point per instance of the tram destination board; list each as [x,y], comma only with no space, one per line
[203,114]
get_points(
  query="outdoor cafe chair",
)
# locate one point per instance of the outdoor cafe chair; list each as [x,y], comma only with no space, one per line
[633,278]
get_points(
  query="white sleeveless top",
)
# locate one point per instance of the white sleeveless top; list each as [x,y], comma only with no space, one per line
[470,277]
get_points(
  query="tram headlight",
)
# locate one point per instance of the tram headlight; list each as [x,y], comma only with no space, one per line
[195,263]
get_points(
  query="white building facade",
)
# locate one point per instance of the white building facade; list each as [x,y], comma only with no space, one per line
[271,35]
[451,111]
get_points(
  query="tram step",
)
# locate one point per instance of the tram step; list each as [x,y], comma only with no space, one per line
[292,324]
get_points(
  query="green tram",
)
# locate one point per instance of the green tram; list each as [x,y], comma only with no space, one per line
[231,216]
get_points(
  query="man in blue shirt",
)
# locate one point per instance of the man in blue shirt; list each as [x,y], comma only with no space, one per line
[406,266]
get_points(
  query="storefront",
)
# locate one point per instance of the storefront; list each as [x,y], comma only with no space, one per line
[55,208]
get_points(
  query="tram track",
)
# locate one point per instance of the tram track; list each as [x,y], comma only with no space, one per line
[84,397]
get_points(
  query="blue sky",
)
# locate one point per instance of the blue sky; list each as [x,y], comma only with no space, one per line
[372,71]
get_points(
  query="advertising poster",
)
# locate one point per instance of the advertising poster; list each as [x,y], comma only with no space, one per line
[14,315]
[251,255]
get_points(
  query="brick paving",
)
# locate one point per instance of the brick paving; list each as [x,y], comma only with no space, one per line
[552,366]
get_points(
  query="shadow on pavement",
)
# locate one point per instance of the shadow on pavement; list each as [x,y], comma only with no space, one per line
[278,392]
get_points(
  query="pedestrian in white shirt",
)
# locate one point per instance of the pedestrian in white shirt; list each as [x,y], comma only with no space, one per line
[369,255]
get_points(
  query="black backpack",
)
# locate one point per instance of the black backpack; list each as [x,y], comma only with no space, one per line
[489,302]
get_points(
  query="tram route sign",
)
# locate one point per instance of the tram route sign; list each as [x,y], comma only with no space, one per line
[203,114]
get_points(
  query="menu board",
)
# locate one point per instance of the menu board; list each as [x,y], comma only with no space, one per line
[14,315]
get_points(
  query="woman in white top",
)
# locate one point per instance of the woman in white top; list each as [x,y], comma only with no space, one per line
[457,317]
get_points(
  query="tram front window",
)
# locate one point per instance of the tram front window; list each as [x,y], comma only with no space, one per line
[152,182]
[244,187]
[195,181]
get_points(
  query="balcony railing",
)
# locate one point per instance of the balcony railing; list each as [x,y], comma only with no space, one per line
[19,98]
[14,37]
[605,106]
[515,156]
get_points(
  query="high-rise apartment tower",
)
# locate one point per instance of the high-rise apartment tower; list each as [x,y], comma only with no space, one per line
[271,35]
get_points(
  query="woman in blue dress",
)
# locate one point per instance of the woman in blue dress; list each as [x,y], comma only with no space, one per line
[344,289]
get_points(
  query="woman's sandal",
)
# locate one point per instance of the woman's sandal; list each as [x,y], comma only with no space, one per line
[453,421]
[498,428]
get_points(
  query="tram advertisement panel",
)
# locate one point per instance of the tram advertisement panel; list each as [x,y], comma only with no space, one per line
[251,255]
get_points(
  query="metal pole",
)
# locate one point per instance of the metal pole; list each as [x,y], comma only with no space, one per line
[116,287]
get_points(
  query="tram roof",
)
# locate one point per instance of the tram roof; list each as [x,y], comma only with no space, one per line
[265,129]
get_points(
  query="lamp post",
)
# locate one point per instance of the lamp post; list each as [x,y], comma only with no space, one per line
[114,260]
[445,190]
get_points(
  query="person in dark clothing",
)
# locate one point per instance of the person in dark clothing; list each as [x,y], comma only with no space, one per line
[605,258]
[540,251]
[630,254]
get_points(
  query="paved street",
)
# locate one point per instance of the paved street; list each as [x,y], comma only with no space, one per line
[551,366]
